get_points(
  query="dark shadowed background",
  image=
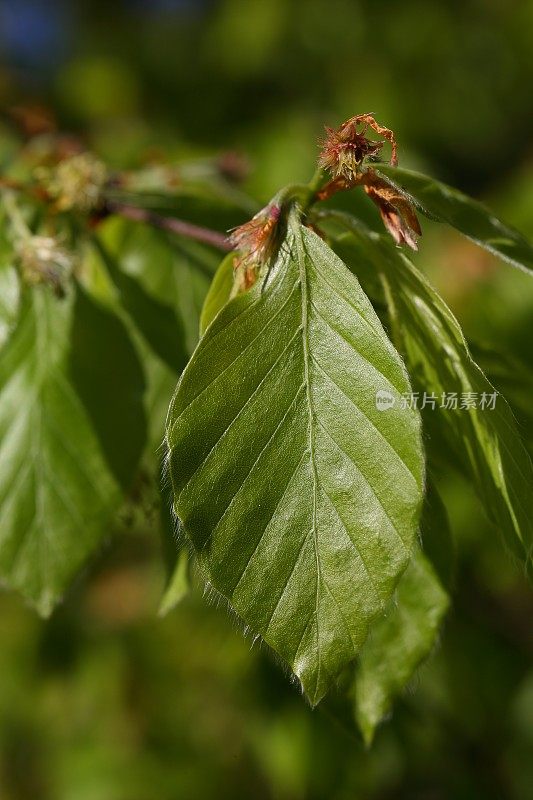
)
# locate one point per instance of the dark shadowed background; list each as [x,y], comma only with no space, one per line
[108,702]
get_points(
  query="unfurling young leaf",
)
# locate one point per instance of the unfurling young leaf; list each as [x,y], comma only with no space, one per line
[178,585]
[300,496]
[219,292]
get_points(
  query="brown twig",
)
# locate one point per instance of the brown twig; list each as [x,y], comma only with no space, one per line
[9,183]
[178,226]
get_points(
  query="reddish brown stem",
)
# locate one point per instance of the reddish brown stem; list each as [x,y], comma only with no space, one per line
[178,226]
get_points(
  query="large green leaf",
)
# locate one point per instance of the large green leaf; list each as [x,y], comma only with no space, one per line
[300,497]
[56,490]
[473,219]
[484,441]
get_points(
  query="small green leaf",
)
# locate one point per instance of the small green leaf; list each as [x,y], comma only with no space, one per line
[219,292]
[300,497]
[178,585]
[56,491]
[401,639]
[445,204]
[485,440]
[398,643]
[9,289]
[9,300]
[175,554]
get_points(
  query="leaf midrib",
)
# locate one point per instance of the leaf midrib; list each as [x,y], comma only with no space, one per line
[304,289]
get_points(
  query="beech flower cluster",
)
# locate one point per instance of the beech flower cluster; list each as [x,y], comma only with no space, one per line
[345,152]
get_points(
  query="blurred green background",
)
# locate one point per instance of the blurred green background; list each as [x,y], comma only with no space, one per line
[108,702]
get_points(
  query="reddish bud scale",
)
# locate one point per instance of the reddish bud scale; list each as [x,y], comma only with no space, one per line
[256,243]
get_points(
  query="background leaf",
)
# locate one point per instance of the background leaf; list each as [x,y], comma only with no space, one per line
[57,492]
[156,321]
[300,497]
[484,442]
[160,282]
[9,287]
[110,383]
[437,539]
[401,639]
[514,379]
[213,204]
[398,643]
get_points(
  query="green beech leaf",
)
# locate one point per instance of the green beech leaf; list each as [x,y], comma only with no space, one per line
[9,288]
[398,643]
[9,300]
[161,284]
[178,585]
[108,377]
[157,322]
[300,497]
[473,219]
[404,637]
[219,292]
[485,441]
[514,378]
[56,490]
[401,639]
